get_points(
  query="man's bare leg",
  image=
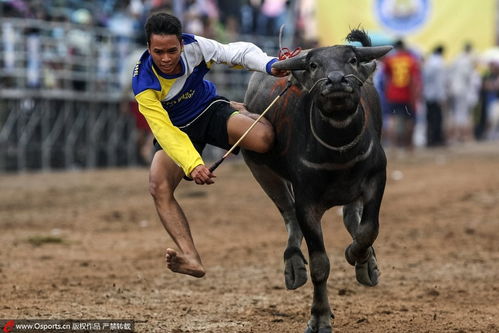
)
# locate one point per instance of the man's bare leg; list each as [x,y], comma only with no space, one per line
[259,139]
[241,108]
[164,178]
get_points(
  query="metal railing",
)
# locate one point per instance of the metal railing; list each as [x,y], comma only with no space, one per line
[61,90]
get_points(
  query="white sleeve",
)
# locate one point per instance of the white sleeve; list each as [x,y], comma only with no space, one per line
[243,54]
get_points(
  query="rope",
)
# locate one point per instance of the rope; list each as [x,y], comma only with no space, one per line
[285,53]
[324,78]
[361,83]
[313,86]
[337,148]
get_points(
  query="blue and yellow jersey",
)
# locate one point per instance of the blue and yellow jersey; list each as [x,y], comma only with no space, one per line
[169,101]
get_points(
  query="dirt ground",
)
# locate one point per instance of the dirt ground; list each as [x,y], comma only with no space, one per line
[88,245]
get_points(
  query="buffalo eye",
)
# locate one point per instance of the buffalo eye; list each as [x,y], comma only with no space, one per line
[313,65]
[353,61]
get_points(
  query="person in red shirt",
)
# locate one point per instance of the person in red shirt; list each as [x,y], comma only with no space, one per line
[402,72]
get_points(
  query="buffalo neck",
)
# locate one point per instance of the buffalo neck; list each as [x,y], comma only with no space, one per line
[338,133]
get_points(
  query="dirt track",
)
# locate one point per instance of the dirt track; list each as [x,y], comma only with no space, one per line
[89,245]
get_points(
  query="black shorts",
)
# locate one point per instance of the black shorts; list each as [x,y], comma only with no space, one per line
[210,127]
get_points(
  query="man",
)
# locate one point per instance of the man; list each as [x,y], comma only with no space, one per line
[403,80]
[464,85]
[435,94]
[185,114]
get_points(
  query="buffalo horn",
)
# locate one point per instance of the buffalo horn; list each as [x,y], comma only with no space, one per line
[369,53]
[292,64]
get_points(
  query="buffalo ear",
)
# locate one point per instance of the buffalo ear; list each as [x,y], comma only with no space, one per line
[367,68]
[297,78]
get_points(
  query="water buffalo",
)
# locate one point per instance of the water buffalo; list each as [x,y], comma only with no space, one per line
[327,153]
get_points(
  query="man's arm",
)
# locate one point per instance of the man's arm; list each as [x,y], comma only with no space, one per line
[243,54]
[174,142]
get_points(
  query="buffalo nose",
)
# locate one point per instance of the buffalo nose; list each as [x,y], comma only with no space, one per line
[336,78]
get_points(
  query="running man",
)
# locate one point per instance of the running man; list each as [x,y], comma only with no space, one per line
[185,113]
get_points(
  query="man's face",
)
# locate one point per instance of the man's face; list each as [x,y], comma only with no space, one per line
[165,51]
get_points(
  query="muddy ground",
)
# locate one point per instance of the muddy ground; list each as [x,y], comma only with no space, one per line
[89,245]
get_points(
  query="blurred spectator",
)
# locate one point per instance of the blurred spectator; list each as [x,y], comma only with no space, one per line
[123,25]
[435,94]
[488,120]
[9,54]
[15,8]
[402,72]
[305,33]
[33,65]
[105,64]
[212,28]
[230,16]
[464,84]
[202,17]
[272,16]
[249,16]
[122,21]
[161,5]
[80,40]
[55,54]
[74,53]
[193,17]
[144,137]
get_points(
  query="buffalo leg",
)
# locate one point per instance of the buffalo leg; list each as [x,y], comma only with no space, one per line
[309,218]
[281,193]
[362,221]
[352,213]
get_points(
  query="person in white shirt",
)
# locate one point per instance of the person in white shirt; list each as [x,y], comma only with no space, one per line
[464,84]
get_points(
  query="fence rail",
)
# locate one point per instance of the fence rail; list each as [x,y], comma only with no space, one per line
[62,87]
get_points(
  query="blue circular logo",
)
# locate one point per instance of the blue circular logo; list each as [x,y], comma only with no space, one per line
[402,16]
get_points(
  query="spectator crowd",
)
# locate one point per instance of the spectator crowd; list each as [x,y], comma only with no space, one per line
[223,20]
[105,30]
[454,99]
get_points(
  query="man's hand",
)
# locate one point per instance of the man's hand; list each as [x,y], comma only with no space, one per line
[237,106]
[279,72]
[202,175]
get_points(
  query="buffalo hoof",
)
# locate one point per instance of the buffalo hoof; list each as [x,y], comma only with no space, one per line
[295,273]
[348,256]
[367,273]
[320,330]
[310,330]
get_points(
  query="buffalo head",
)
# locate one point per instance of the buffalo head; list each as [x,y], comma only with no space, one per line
[334,75]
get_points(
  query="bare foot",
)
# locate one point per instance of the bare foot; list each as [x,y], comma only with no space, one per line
[180,263]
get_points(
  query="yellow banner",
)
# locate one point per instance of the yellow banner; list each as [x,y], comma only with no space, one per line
[421,23]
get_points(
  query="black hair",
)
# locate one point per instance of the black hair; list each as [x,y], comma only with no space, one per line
[163,24]
[359,35]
